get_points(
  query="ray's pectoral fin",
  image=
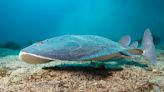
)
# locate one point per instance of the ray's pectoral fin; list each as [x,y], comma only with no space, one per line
[103,57]
[107,57]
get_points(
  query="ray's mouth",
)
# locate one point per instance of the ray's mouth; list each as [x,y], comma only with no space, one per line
[32,58]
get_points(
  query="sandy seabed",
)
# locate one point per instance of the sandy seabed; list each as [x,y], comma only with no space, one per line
[61,76]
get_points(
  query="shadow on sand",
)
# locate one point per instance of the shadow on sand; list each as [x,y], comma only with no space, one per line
[99,69]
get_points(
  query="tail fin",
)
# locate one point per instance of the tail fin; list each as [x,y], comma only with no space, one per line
[148,47]
[125,40]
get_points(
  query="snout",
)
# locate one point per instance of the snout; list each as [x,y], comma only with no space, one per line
[32,58]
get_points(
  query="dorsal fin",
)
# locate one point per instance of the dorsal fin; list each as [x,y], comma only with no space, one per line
[134,44]
[125,40]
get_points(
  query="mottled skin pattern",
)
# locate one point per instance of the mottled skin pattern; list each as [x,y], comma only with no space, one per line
[75,47]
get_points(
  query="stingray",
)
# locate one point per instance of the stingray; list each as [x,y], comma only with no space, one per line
[87,48]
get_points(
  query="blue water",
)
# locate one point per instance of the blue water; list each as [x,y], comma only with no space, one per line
[23,21]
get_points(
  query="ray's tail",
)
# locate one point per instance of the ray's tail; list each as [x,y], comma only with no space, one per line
[148,47]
